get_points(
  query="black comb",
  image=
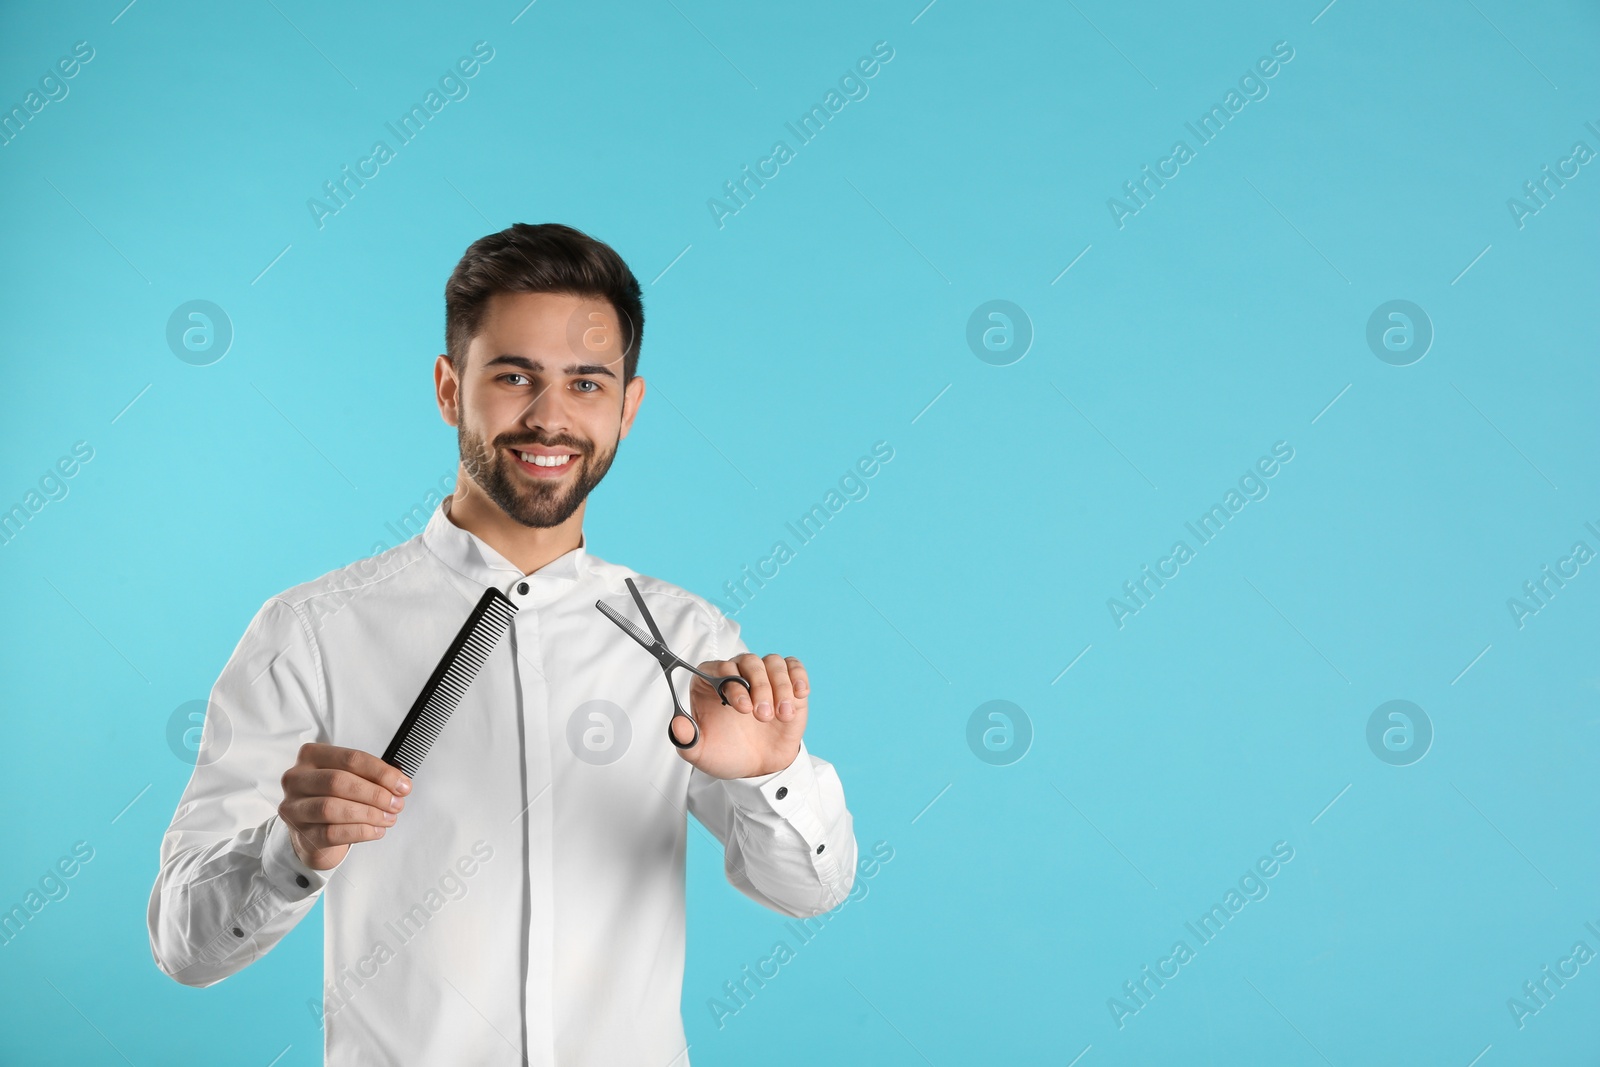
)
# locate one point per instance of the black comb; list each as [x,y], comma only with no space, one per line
[448,684]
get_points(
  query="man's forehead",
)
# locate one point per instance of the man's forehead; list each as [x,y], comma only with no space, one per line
[549,325]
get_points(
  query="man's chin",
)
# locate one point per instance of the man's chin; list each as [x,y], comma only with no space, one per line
[542,506]
[535,502]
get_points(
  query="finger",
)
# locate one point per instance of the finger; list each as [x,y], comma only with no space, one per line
[341,783]
[321,836]
[733,692]
[683,730]
[801,680]
[734,688]
[782,688]
[362,764]
[755,672]
[310,812]
[296,830]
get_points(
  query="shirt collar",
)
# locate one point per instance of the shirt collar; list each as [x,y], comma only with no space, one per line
[470,555]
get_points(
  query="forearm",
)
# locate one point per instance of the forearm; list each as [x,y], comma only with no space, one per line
[217,907]
[790,839]
[227,863]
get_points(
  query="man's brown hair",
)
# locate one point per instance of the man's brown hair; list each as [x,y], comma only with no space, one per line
[546,258]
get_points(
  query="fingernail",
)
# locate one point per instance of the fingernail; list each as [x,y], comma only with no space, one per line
[394,802]
[764,708]
[785,708]
[404,786]
[388,816]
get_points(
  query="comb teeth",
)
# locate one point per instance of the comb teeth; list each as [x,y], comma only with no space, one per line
[449,682]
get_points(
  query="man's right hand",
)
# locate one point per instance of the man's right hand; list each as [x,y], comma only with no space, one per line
[334,797]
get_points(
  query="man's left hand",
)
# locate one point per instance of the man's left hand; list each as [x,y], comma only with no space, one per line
[757,732]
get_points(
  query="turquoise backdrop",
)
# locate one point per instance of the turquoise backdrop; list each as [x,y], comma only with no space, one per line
[1340,347]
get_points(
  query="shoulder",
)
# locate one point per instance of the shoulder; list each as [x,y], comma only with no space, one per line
[671,605]
[332,590]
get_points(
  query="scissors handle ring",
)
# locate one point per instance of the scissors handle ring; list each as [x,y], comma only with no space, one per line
[694,738]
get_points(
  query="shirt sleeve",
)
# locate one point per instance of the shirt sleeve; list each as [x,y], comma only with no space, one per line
[230,885]
[788,839]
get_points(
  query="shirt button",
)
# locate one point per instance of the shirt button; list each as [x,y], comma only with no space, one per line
[237,932]
[522,587]
[782,792]
[820,848]
[302,881]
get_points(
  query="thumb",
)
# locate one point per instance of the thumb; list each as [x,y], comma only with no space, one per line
[682,729]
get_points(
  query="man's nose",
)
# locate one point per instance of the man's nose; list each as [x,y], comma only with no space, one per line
[547,410]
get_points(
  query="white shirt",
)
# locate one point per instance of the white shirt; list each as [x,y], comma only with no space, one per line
[529,900]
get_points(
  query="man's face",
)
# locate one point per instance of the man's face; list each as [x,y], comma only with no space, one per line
[540,407]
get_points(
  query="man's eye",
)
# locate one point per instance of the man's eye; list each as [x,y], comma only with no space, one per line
[588,381]
[507,377]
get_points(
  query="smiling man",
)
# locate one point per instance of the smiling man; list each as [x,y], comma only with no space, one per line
[523,900]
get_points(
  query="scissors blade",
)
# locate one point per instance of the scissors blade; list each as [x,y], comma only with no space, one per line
[649,620]
[627,627]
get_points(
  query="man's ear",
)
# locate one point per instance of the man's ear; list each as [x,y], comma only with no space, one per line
[447,390]
[631,396]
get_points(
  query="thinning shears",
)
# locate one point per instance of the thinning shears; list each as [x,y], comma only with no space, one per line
[669,662]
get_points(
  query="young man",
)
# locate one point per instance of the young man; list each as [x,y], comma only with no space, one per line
[523,900]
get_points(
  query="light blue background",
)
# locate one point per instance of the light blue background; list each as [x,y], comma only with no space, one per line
[823,317]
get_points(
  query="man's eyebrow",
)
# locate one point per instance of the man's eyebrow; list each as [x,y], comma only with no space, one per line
[523,363]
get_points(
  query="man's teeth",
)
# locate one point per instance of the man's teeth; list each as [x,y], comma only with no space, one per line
[544,461]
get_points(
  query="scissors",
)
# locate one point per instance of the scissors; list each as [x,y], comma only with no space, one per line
[669,662]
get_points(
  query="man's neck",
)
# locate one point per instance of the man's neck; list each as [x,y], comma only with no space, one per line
[528,548]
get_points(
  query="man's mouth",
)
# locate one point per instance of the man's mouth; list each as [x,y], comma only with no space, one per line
[544,463]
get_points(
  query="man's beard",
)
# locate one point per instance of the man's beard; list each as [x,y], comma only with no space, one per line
[529,501]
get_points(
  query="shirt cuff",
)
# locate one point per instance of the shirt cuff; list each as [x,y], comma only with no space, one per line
[284,871]
[790,794]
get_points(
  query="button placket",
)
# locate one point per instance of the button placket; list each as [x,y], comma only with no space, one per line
[539,735]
